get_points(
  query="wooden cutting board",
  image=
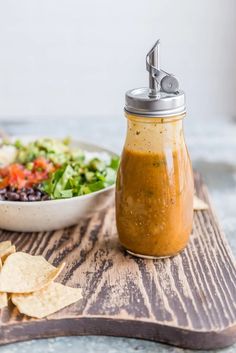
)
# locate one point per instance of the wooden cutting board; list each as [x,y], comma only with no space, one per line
[187,301]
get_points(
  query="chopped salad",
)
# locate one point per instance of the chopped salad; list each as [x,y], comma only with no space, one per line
[51,169]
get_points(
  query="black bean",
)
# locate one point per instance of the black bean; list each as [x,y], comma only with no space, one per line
[12,196]
[23,196]
[32,197]
[12,189]
[38,195]
[30,191]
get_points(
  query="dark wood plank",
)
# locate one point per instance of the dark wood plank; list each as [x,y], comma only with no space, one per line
[187,301]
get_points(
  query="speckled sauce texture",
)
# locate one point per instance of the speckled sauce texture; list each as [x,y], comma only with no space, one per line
[212,146]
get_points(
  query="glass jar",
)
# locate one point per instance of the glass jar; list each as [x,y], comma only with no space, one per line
[154,190]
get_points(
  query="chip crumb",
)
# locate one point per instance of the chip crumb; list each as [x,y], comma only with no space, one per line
[199,205]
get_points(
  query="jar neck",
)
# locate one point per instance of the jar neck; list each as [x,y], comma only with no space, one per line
[154,134]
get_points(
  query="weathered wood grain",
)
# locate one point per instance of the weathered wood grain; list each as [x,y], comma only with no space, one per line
[188,301]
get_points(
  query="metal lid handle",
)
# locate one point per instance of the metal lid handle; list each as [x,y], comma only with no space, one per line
[159,80]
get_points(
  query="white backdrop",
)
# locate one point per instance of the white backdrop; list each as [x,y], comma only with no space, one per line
[78,57]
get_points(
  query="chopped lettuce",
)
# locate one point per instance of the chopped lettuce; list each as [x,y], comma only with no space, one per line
[79,178]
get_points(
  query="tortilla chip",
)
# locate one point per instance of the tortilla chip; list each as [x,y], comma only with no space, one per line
[24,273]
[3,296]
[46,301]
[199,205]
[10,250]
[3,300]
[6,249]
[4,245]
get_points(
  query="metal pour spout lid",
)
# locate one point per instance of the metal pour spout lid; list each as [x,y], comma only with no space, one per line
[162,98]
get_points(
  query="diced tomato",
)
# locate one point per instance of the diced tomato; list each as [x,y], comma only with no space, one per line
[18,176]
[41,162]
[4,172]
[4,183]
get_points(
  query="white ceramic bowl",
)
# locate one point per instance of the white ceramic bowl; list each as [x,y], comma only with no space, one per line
[55,214]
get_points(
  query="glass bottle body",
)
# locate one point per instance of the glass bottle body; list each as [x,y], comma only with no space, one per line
[154,190]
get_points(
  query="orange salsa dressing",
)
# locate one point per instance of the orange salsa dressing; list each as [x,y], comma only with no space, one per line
[154,201]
